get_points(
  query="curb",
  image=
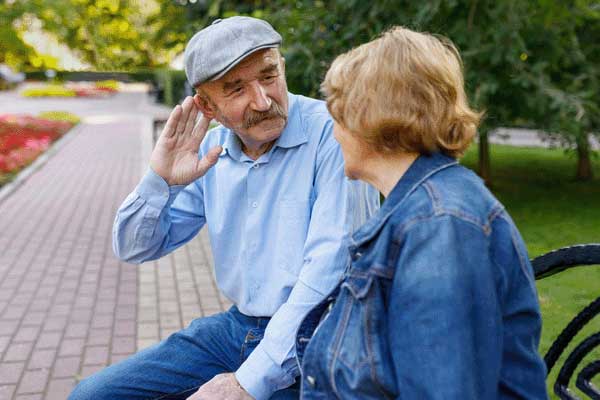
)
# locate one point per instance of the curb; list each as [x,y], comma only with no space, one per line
[22,176]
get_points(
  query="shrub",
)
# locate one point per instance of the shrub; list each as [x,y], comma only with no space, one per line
[110,85]
[49,91]
[60,116]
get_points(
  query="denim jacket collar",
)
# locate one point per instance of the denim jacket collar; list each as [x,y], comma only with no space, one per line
[421,169]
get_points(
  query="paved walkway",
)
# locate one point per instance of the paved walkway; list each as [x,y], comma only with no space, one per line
[68,307]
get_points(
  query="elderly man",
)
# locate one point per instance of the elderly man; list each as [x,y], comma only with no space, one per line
[269,184]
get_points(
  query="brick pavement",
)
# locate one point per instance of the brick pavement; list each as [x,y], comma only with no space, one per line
[68,307]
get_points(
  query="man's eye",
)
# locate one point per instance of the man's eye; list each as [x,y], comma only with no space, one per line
[269,78]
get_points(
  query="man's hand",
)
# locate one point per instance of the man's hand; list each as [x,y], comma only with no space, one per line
[175,156]
[222,387]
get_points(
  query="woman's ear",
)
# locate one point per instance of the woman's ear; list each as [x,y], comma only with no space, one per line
[205,107]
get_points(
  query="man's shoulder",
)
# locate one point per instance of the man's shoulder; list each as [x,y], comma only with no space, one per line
[314,119]
[311,111]
[307,106]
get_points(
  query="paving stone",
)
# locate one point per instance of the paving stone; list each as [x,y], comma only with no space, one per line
[34,318]
[38,396]
[76,330]
[10,372]
[102,321]
[71,347]
[8,327]
[89,370]
[41,359]
[66,367]
[6,391]
[18,352]
[96,355]
[4,341]
[123,345]
[33,381]
[100,336]
[55,323]
[145,343]
[48,340]
[124,328]
[60,388]
[27,334]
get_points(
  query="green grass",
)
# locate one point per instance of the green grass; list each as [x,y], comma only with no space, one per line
[552,210]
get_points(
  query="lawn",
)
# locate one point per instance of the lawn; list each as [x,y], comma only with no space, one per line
[552,210]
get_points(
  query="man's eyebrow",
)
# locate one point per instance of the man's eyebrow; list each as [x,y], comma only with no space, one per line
[269,68]
[231,84]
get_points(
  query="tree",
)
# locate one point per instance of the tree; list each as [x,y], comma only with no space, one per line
[569,84]
[13,49]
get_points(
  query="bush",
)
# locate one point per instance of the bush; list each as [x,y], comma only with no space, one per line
[60,116]
[110,85]
[49,91]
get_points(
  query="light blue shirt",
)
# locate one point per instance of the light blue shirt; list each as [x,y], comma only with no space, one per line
[277,228]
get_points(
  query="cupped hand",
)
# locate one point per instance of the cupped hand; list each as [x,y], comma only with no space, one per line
[175,156]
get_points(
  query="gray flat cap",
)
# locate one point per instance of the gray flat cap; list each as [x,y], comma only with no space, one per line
[219,47]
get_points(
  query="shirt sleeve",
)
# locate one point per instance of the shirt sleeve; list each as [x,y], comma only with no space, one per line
[447,333]
[340,206]
[155,219]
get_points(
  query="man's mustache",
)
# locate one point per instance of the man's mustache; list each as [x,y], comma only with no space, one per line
[252,118]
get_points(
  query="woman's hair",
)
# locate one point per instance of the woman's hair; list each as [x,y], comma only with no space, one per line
[403,91]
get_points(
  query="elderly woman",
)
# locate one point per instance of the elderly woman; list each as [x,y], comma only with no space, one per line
[438,300]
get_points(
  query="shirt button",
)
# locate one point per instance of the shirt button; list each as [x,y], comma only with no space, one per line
[311,381]
[255,166]
[254,204]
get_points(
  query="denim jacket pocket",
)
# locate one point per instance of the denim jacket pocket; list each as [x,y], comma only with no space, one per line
[361,351]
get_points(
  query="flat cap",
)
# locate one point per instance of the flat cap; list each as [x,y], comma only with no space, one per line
[219,47]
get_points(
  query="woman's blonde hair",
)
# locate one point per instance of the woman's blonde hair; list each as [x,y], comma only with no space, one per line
[403,91]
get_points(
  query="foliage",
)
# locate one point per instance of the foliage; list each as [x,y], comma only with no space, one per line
[110,85]
[60,116]
[13,49]
[71,90]
[532,64]
[48,91]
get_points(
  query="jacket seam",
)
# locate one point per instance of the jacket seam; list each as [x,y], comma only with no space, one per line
[522,259]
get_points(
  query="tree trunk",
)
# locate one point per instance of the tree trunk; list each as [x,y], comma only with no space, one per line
[584,163]
[484,169]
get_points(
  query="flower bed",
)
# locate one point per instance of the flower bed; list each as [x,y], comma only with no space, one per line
[79,89]
[23,138]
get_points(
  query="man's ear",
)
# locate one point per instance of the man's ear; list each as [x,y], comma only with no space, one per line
[283,65]
[205,107]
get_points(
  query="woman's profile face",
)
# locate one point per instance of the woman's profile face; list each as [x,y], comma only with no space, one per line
[353,150]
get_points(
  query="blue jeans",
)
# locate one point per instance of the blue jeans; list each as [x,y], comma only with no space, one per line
[176,367]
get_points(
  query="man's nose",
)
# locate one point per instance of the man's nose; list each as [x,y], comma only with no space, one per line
[260,100]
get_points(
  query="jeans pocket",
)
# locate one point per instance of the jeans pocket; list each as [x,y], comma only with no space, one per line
[252,339]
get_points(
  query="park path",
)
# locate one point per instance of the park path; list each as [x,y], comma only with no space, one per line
[68,307]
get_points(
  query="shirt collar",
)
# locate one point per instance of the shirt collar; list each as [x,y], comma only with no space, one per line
[293,134]
[421,169]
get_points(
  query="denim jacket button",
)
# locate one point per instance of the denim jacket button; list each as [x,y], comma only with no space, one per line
[311,381]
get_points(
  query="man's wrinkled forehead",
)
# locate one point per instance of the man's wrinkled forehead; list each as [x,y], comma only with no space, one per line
[262,62]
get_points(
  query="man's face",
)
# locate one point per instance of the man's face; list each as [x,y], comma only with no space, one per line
[251,99]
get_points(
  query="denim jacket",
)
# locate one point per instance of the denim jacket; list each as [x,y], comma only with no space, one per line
[438,300]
